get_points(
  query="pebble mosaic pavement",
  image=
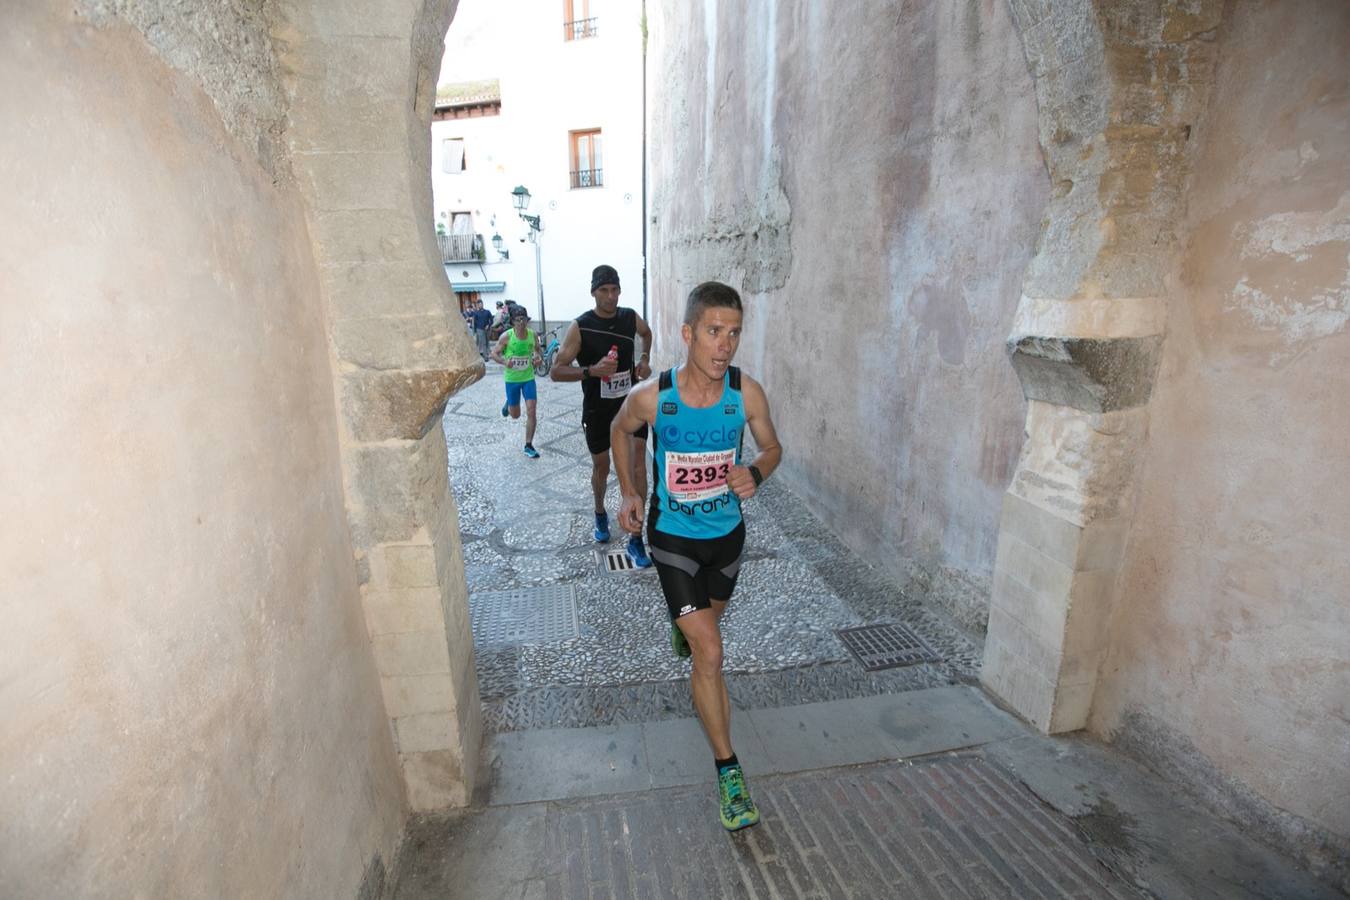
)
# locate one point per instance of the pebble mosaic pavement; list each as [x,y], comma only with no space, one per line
[527,522]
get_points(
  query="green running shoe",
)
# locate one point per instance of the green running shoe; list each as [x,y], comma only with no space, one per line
[678,642]
[738,810]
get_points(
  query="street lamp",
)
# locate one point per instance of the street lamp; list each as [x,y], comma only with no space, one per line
[520,198]
[497,245]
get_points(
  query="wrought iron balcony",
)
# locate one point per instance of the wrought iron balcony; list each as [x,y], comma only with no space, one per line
[580,28]
[588,178]
[461,247]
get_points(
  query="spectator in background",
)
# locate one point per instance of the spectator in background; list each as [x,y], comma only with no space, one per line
[481,320]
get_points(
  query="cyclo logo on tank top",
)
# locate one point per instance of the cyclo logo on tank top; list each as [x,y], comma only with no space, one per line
[673,434]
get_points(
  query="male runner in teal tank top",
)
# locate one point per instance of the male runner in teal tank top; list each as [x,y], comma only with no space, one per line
[697,414]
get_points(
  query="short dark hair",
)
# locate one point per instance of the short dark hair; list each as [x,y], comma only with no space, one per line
[711,293]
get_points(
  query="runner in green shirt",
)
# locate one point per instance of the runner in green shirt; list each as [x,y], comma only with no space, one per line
[518,350]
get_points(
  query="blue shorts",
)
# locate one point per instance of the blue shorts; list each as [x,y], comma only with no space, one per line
[515,388]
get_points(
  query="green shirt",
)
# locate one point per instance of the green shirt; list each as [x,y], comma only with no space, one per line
[519,356]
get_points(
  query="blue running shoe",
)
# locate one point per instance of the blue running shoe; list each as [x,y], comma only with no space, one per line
[638,553]
[601,528]
[531,452]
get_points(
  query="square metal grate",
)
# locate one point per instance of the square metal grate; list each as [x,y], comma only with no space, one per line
[886,646]
[535,615]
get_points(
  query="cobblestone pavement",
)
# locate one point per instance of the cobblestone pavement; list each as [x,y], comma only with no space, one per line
[955,826]
[527,523]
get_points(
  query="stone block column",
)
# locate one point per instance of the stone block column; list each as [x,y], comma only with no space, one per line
[1085,368]
[1119,84]
[361,84]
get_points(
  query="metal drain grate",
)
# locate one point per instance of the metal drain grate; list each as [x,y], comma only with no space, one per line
[618,562]
[535,615]
[886,646]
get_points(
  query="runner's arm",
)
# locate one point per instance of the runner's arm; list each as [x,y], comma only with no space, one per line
[499,348]
[642,366]
[563,368]
[639,408]
[761,427]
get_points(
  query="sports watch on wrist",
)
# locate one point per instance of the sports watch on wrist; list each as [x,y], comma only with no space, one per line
[585,371]
[755,474]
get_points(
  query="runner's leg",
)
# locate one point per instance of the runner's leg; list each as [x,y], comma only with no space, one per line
[718,608]
[529,422]
[705,681]
[599,479]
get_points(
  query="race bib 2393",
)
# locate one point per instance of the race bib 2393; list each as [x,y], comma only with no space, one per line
[698,476]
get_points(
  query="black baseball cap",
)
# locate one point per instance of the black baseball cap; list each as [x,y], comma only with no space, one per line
[603,275]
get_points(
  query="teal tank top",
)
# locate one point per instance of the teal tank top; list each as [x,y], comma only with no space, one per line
[692,450]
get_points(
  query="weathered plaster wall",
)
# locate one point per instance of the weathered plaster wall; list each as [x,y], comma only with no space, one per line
[1230,651]
[869,176]
[189,697]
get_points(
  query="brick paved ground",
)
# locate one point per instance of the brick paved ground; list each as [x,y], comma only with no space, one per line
[952,826]
[955,827]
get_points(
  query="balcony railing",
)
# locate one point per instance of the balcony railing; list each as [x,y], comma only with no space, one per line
[588,178]
[460,247]
[580,28]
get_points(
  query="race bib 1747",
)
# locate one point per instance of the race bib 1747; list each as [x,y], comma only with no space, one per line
[698,476]
[616,385]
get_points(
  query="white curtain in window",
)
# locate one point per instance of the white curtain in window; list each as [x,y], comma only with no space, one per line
[452,155]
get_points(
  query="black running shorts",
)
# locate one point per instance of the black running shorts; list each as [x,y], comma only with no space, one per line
[693,572]
[595,421]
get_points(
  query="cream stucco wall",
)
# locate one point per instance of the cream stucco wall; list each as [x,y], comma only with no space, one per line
[187,687]
[1230,660]
[869,176]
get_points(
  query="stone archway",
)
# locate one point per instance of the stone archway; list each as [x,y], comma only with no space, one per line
[361,84]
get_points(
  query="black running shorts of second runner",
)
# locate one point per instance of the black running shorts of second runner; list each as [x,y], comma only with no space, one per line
[693,572]
[596,417]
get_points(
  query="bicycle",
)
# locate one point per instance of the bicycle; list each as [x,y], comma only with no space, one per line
[545,363]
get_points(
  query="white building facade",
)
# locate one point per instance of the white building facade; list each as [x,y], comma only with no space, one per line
[560,113]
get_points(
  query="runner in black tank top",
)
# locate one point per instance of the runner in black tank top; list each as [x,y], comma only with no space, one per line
[600,351]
